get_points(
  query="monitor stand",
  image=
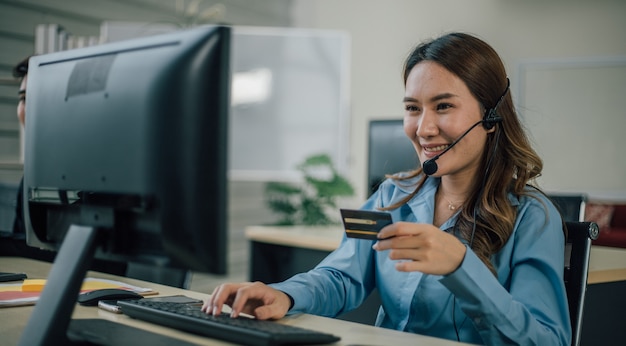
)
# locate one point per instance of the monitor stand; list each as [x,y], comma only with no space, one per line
[49,323]
[51,317]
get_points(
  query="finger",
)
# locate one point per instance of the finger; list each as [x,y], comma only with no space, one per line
[405,254]
[208,304]
[205,306]
[387,231]
[409,266]
[422,266]
[401,229]
[394,243]
[215,306]
[243,295]
[409,228]
[427,262]
[223,295]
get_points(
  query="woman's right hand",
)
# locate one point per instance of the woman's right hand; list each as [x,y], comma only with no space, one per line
[253,298]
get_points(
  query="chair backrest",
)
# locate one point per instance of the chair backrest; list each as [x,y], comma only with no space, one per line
[175,277]
[8,200]
[577,249]
[389,151]
[571,206]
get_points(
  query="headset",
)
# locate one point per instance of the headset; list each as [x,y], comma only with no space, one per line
[489,120]
[491,117]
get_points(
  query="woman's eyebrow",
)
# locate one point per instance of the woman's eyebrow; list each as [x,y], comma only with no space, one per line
[432,99]
[442,97]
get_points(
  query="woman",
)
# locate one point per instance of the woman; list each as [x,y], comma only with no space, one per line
[474,254]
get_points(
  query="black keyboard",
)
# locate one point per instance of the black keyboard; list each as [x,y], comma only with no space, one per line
[242,330]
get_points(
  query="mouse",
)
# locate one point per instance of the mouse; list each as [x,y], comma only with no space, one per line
[92,298]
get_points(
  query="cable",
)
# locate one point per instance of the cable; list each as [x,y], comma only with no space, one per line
[471,240]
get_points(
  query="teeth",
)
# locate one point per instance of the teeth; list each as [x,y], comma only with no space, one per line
[437,148]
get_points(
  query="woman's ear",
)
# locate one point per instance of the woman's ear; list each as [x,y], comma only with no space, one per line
[491,119]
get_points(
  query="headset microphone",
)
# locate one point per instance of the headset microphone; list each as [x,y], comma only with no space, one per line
[429,167]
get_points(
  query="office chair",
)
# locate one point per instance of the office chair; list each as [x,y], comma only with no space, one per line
[8,200]
[577,249]
[389,151]
[571,206]
[175,277]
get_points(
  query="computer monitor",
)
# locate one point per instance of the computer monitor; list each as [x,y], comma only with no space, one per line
[126,159]
[390,151]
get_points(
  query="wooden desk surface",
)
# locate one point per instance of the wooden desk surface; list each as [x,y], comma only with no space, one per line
[609,275]
[328,239]
[316,238]
[14,319]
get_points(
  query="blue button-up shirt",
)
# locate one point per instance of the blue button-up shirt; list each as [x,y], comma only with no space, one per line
[525,304]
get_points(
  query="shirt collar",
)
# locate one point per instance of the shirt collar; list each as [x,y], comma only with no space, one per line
[424,200]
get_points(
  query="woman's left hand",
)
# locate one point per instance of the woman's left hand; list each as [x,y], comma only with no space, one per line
[421,247]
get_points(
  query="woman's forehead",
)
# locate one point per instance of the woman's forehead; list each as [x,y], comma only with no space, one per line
[428,79]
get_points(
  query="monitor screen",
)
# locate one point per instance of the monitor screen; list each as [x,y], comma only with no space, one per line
[125,153]
[389,151]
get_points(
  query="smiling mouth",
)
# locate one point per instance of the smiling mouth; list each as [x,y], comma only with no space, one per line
[436,149]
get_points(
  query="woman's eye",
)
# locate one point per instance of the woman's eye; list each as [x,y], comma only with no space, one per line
[411,108]
[443,106]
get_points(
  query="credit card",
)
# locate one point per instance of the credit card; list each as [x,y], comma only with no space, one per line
[364,224]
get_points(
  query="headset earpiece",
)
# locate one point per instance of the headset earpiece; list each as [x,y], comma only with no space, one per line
[491,117]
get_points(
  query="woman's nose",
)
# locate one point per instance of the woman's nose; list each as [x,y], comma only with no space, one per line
[427,125]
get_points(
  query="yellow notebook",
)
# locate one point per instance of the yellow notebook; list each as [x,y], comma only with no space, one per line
[27,293]
[89,284]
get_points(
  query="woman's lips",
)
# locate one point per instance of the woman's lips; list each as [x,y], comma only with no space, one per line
[433,150]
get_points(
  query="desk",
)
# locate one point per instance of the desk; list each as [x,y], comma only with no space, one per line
[277,253]
[14,319]
[280,252]
[311,237]
[326,239]
[605,308]
[606,276]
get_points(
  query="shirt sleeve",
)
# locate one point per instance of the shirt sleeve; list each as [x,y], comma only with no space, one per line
[338,284]
[530,306]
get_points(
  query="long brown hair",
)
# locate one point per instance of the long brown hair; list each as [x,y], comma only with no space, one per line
[509,161]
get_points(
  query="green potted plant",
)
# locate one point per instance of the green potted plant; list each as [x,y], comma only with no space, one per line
[314,201]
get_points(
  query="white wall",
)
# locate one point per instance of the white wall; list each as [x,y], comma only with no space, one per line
[383,32]
[80,18]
